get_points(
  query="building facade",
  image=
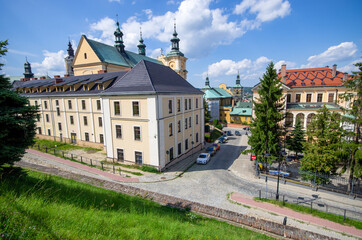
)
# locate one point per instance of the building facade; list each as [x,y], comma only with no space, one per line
[147,115]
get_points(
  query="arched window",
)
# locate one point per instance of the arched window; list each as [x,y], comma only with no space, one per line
[289,120]
[310,118]
[301,117]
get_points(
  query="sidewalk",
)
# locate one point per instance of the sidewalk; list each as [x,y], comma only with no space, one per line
[83,167]
[244,199]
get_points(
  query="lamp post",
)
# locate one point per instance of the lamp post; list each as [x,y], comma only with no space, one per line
[282,153]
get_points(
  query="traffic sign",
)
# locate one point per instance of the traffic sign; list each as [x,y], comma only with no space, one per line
[253,157]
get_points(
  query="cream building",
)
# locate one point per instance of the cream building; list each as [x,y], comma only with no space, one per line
[146,115]
[307,90]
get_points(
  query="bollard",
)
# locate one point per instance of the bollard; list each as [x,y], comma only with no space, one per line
[326,208]
[119,169]
[91,161]
[46,149]
[283,202]
[259,194]
[71,155]
[54,151]
[102,165]
[113,170]
[63,153]
[311,207]
[344,215]
[38,147]
[81,158]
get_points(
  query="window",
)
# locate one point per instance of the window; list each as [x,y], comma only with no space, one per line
[197,103]
[331,97]
[58,111]
[47,117]
[289,98]
[185,123]
[179,149]
[137,133]
[289,120]
[83,104]
[170,129]
[169,106]
[309,97]
[179,126]
[85,120]
[86,135]
[120,155]
[85,55]
[56,102]
[136,108]
[101,138]
[38,117]
[185,104]
[190,104]
[197,137]
[100,123]
[39,130]
[45,104]
[178,105]
[49,133]
[60,126]
[71,120]
[246,118]
[70,104]
[186,144]
[138,157]
[99,107]
[189,122]
[118,131]
[319,97]
[197,119]
[297,97]
[36,103]
[117,108]
[171,153]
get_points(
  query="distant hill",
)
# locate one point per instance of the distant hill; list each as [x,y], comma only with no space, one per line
[248,90]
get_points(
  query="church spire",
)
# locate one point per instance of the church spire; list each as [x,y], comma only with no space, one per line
[69,60]
[207,82]
[141,46]
[175,40]
[119,40]
[27,69]
[70,49]
[238,79]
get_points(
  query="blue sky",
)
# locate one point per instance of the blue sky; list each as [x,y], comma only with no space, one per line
[219,37]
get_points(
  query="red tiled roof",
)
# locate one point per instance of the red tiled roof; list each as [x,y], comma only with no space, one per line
[312,77]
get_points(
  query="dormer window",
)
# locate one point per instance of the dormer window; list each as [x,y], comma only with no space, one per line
[100,86]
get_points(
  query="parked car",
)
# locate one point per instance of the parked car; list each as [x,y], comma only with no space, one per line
[247,128]
[229,133]
[216,146]
[211,150]
[222,140]
[225,136]
[203,158]
[237,133]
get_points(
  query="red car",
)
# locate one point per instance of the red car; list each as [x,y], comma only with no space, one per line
[216,146]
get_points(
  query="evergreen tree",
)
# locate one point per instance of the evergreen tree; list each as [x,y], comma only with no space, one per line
[297,140]
[17,120]
[266,129]
[207,115]
[322,148]
[353,158]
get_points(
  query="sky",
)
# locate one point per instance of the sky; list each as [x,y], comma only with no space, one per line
[219,37]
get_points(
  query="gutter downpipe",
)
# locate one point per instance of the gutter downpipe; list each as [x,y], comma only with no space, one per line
[158,132]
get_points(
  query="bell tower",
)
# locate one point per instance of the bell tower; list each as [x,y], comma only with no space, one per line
[27,70]
[69,60]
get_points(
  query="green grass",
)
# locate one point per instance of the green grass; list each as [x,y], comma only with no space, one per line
[39,206]
[64,146]
[132,166]
[303,209]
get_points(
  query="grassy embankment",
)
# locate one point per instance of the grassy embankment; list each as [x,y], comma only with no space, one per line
[303,209]
[39,206]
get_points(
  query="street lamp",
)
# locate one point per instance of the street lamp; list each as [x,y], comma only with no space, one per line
[281,153]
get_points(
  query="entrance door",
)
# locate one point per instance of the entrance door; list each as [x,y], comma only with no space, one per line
[73,137]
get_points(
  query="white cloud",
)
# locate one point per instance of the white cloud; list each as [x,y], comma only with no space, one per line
[278,65]
[350,67]
[265,10]
[341,52]
[53,64]
[106,27]
[10,50]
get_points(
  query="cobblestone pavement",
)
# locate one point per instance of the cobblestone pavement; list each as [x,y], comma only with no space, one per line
[229,172]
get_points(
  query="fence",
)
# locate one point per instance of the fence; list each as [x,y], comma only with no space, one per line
[314,203]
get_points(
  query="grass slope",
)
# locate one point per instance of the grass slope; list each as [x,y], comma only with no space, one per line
[39,206]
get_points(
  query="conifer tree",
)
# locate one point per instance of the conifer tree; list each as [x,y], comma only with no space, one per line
[266,128]
[17,120]
[297,140]
[321,153]
[207,115]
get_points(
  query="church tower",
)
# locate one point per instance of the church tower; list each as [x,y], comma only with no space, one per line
[69,60]
[238,90]
[27,70]
[175,59]
[141,46]
[119,39]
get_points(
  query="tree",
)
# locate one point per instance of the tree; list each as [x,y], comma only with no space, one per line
[322,148]
[207,115]
[266,129]
[297,140]
[353,161]
[17,120]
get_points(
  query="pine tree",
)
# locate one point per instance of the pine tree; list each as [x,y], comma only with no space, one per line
[266,129]
[353,152]
[17,120]
[321,153]
[297,140]
[207,115]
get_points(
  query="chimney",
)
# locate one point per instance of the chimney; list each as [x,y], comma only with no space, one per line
[284,73]
[57,79]
[345,76]
[34,78]
[42,77]
[102,71]
[334,70]
[66,75]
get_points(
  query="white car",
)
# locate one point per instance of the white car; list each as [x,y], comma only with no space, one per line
[203,158]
